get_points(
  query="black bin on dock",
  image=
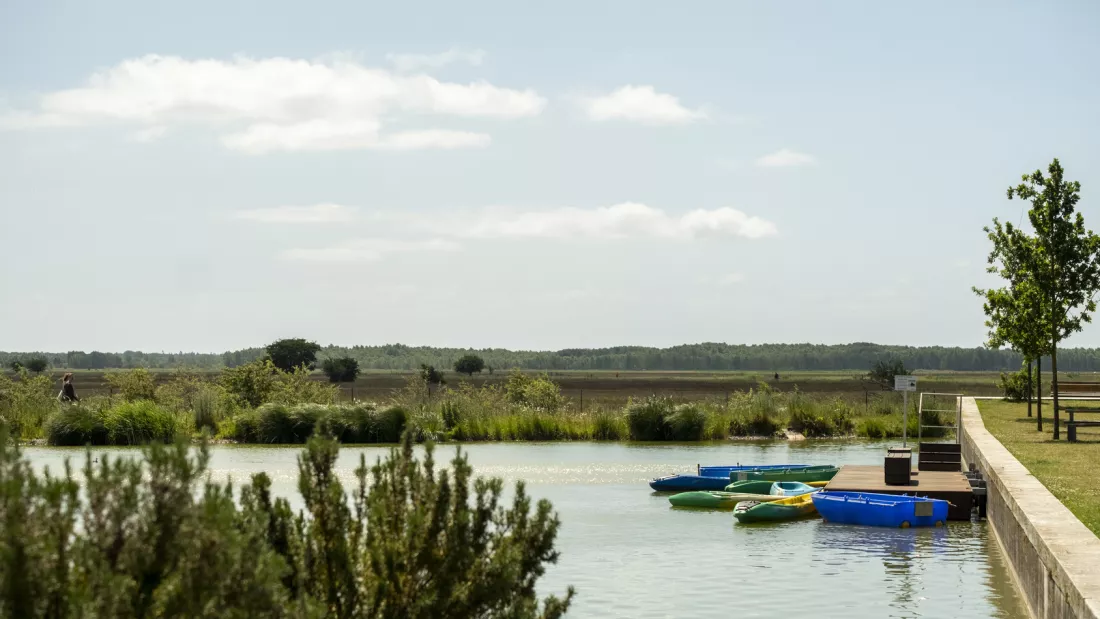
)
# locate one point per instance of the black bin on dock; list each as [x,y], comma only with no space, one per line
[940,457]
[898,466]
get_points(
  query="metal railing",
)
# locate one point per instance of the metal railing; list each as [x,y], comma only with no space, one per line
[921,410]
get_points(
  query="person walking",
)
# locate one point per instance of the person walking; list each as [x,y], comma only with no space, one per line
[68,392]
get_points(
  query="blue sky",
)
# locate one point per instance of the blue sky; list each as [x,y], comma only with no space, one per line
[205,176]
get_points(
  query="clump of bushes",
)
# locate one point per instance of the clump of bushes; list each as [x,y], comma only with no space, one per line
[661,419]
[1015,386]
[282,424]
[125,423]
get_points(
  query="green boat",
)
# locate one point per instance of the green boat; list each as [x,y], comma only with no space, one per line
[788,508]
[755,486]
[804,474]
[717,499]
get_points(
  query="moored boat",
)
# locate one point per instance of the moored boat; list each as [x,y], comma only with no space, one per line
[758,486]
[716,499]
[718,477]
[788,508]
[684,483]
[803,474]
[725,471]
[789,488]
[880,510]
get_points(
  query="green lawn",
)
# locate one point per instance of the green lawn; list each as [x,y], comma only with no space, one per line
[1068,470]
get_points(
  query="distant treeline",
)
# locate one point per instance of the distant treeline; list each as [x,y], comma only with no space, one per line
[708,356]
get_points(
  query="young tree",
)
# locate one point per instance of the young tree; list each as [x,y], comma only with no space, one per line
[1063,259]
[469,365]
[290,354]
[1015,312]
[430,375]
[883,372]
[341,369]
[37,364]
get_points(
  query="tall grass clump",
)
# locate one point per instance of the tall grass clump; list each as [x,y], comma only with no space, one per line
[660,419]
[877,427]
[686,423]
[647,419]
[140,422]
[608,426]
[76,426]
[204,407]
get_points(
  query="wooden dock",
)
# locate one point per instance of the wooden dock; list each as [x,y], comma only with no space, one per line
[950,486]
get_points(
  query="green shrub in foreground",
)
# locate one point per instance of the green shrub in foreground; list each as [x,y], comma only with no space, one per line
[150,537]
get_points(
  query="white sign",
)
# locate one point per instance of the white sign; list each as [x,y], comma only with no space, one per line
[905,383]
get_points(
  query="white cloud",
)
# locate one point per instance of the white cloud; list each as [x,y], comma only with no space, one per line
[625,220]
[640,104]
[730,279]
[367,250]
[435,138]
[415,62]
[150,134]
[279,103]
[326,135]
[317,213]
[785,158]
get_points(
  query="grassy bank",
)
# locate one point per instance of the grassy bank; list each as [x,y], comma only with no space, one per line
[260,404]
[1066,469]
[474,415]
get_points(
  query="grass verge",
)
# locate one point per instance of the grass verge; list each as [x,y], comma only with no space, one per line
[1066,469]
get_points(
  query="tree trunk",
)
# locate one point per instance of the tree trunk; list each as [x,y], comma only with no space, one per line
[1030,392]
[1039,391]
[1054,382]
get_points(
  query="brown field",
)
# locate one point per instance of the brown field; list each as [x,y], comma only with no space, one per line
[608,387]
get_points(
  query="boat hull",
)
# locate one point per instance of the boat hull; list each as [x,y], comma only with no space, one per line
[790,488]
[788,508]
[716,499]
[684,483]
[880,510]
[804,475]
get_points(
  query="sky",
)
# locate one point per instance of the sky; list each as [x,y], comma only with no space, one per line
[205,176]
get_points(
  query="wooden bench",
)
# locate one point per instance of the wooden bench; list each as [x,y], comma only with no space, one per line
[1071,390]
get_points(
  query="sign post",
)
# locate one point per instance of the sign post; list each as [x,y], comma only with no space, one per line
[905,384]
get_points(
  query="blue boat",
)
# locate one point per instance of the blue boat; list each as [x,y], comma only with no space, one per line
[712,477]
[790,488]
[880,510]
[685,483]
[725,471]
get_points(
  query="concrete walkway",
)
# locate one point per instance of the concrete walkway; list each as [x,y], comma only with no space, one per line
[1055,557]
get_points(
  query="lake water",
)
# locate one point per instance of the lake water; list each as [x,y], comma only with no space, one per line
[630,554]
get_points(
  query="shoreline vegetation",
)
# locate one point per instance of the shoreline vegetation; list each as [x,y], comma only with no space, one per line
[258,403]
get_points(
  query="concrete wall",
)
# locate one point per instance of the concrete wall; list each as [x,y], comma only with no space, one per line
[1056,559]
